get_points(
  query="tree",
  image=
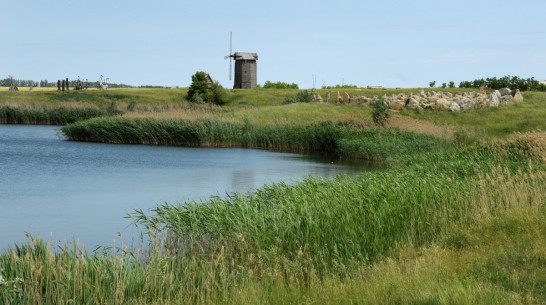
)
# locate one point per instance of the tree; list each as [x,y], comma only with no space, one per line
[451,84]
[444,85]
[201,91]
[432,83]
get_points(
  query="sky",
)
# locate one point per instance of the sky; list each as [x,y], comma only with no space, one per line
[404,44]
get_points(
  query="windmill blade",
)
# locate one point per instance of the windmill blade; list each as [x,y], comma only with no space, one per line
[230,44]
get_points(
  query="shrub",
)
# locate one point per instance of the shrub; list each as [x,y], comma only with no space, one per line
[380,112]
[280,85]
[432,83]
[304,96]
[201,91]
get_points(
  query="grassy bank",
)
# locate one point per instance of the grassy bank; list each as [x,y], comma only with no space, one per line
[456,219]
[342,138]
[425,234]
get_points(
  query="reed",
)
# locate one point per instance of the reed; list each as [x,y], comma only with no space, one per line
[50,115]
[343,138]
[400,236]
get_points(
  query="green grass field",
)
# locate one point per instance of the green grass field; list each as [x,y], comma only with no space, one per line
[455,216]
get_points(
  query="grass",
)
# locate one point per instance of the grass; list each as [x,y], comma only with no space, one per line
[455,217]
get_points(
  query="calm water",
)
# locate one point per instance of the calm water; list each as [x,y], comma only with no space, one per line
[83,191]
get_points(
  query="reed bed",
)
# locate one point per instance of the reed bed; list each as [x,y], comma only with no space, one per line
[343,138]
[51,115]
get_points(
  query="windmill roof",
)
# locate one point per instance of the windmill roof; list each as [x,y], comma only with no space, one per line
[245,56]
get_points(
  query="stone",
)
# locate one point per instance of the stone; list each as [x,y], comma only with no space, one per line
[412,103]
[497,93]
[454,107]
[328,97]
[317,98]
[505,100]
[493,100]
[396,105]
[443,103]
[466,103]
[346,98]
[505,91]
[359,99]
[422,93]
[517,96]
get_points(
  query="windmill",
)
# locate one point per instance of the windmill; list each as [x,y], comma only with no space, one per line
[245,68]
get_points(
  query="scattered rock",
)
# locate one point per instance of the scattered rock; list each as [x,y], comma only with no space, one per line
[346,98]
[517,96]
[505,100]
[317,98]
[466,103]
[454,107]
[412,103]
[493,100]
[505,91]
[443,103]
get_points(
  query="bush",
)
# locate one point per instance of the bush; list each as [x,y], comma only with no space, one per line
[380,112]
[201,91]
[304,96]
[280,85]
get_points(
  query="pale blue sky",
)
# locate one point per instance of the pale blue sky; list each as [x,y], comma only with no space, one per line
[391,44]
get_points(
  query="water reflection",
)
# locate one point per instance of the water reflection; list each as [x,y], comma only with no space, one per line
[84,190]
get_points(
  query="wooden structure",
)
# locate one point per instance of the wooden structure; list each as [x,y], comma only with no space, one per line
[246,75]
[245,70]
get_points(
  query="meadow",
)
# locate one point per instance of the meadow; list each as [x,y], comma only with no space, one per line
[456,216]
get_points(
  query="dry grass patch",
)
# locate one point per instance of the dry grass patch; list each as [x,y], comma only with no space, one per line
[421,126]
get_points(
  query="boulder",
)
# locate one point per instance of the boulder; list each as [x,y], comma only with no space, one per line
[454,107]
[396,105]
[443,103]
[346,98]
[412,103]
[505,100]
[360,99]
[466,103]
[422,93]
[493,100]
[505,91]
[317,98]
[517,96]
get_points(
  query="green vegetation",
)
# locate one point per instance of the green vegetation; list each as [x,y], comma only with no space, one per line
[380,113]
[280,85]
[447,220]
[201,91]
[512,82]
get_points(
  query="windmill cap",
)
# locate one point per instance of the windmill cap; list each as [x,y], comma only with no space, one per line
[245,56]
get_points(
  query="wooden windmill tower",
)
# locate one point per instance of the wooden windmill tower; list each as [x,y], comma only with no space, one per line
[245,68]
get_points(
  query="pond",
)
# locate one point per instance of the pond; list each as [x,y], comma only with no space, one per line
[73,191]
